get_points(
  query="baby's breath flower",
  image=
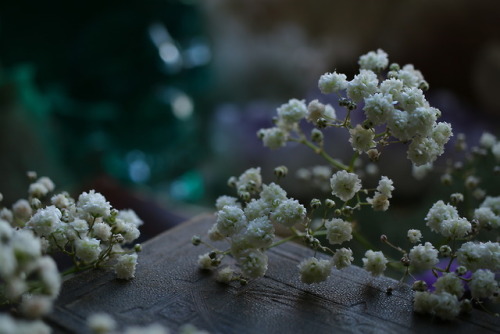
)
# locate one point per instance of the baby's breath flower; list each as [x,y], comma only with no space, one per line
[258,208]
[253,263]
[438,213]
[87,249]
[22,209]
[205,261]
[259,233]
[332,82]
[486,218]
[93,204]
[101,231]
[45,221]
[293,111]
[361,139]
[225,275]
[6,215]
[487,140]
[230,220]
[363,85]
[410,76]
[441,133]
[342,258]
[273,138]
[35,306]
[375,61]
[272,194]
[483,284]
[450,283]
[313,270]
[379,202]
[423,150]
[414,236]
[493,203]
[317,110]
[345,185]
[289,212]
[443,305]
[374,262]
[423,256]
[125,266]
[101,323]
[479,255]
[378,107]
[338,231]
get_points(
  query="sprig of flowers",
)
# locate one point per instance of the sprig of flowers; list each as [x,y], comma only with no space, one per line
[395,111]
[87,230]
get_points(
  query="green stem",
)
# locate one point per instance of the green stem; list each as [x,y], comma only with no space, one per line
[362,240]
[322,153]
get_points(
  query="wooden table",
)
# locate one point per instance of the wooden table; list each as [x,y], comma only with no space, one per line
[169,289]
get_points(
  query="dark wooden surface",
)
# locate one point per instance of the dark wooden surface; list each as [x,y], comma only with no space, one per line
[169,289]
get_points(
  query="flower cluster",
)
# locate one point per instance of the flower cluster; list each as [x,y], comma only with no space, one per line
[395,111]
[394,105]
[87,230]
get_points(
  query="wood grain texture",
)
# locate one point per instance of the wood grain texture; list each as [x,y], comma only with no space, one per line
[169,289]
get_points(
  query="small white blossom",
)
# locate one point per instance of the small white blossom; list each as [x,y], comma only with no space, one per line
[410,76]
[22,209]
[101,231]
[293,111]
[345,185]
[397,122]
[230,220]
[361,139]
[483,284]
[486,218]
[258,208]
[385,186]
[94,204]
[487,140]
[289,212]
[127,229]
[455,227]
[493,203]
[101,323]
[125,266]
[45,221]
[272,194]
[374,262]
[62,200]
[495,149]
[38,190]
[441,133]
[313,270]
[423,256]
[423,150]
[317,110]
[35,306]
[332,82]
[225,275]
[259,233]
[250,180]
[414,236]
[392,87]
[363,85]
[479,255]
[273,138]
[205,261]
[87,249]
[342,258]
[378,107]
[443,305]
[224,200]
[7,215]
[338,231]
[253,263]
[438,213]
[450,283]
[375,61]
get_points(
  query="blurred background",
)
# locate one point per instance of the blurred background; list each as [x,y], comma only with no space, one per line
[156,103]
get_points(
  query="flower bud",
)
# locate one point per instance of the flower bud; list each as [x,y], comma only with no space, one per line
[445,250]
[196,240]
[281,171]
[315,203]
[329,203]
[419,286]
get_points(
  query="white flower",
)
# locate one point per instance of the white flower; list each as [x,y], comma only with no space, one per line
[289,212]
[420,172]
[94,204]
[272,195]
[259,233]
[414,236]
[225,275]
[313,270]
[7,215]
[35,306]
[385,186]
[125,266]
[486,218]
[479,255]
[317,110]
[483,284]
[25,245]
[378,107]
[38,190]
[412,98]
[410,76]
[379,202]
[293,111]
[363,85]
[22,209]
[342,258]
[361,139]
[205,261]
[45,221]
[487,140]
[230,220]
[250,180]
[423,256]
[423,150]
[392,87]
[127,229]
[422,120]
[80,225]
[438,213]
[345,185]
[87,249]
[374,262]
[495,149]
[101,323]
[258,208]
[441,133]
[443,305]
[273,138]
[332,82]
[493,203]
[450,283]
[253,263]
[397,122]
[224,200]
[338,231]
[101,231]
[455,227]
[375,61]
[62,200]
[49,275]
[130,217]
